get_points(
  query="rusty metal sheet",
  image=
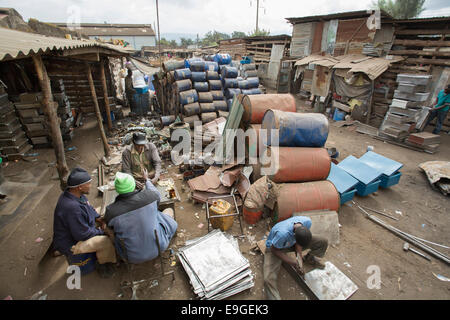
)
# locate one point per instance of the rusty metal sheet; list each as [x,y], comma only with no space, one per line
[321,81]
[438,172]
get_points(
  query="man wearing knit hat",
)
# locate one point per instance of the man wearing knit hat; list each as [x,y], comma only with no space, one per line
[141,155]
[134,217]
[74,227]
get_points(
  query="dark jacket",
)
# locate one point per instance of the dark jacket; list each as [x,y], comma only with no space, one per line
[134,217]
[74,220]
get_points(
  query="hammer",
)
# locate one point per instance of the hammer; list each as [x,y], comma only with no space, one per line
[406,248]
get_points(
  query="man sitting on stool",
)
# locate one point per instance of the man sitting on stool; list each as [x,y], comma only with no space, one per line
[290,235]
[141,155]
[134,217]
[74,231]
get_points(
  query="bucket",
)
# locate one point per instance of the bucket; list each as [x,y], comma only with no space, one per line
[251,217]
[86,262]
[302,197]
[338,115]
[220,208]
[256,105]
[295,129]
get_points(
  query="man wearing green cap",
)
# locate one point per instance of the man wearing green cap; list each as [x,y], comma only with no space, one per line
[134,217]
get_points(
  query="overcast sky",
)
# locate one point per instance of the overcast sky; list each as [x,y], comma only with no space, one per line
[197,16]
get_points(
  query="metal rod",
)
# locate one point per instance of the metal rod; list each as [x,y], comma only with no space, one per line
[379,212]
[159,35]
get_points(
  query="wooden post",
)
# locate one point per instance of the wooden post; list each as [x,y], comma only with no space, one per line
[369,107]
[105,94]
[53,120]
[97,110]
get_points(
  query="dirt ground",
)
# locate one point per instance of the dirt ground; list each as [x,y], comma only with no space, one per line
[424,213]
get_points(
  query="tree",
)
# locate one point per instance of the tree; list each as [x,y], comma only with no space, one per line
[173,44]
[186,42]
[212,38]
[164,42]
[238,34]
[401,9]
[259,32]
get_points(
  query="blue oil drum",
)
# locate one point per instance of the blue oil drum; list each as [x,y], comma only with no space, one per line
[217,95]
[230,83]
[231,92]
[222,58]
[191,109]
[189,96]
[86,262]
[215,85]
[207,107]
[230,72]
[198,76]
[183,85]
[244,85]
[201,86]
[211,66]
[182,74]
[198,66]
[229,104]
[205,97]
[212,75]
[173,65]
[187,62]
[221,105]
[140,103]
[253,82]
[256,91]
[295,129]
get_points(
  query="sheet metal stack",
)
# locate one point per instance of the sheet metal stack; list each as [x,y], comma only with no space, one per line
[215,266]
[426,141]
[64,110]
[13,142]
[407,110]
[33,119]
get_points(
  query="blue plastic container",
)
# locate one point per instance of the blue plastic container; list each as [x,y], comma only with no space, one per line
[198,76]
[140,103]
[215,85]
[295,129]
[182,74]
[230,83]
[201,86]
[230,72]
[389,181]
[141,90]
[198,66]
[211,66]
[222,59]
[86,262]
[338,115]
[253,82]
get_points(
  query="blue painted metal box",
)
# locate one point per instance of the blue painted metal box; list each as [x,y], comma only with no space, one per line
[344,183]
[389,181]
[389,168]
[368,177]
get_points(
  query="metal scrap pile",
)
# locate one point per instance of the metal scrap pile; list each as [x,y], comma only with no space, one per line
[215,266]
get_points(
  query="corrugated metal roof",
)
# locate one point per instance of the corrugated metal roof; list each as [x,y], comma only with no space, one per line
[107,29]
[333,16]
[17,44]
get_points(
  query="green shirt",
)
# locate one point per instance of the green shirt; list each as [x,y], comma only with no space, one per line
[443,99]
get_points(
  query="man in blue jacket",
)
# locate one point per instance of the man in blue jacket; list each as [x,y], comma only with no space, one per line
[440,110]
[292,234]
[134,217]
[74,227]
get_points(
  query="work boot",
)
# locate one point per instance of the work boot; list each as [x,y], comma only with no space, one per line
[105,270]
[314,261]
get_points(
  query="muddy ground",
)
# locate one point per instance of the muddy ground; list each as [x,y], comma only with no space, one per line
[425,213]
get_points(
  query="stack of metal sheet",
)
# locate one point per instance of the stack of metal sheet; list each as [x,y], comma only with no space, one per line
[215,266]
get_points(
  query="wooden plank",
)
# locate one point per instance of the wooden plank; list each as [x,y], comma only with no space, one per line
[422,32]
[441,62]
[420,53]
[422,43]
